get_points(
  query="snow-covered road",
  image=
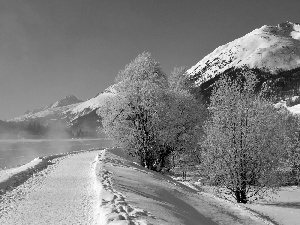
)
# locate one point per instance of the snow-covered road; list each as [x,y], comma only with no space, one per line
[63,193]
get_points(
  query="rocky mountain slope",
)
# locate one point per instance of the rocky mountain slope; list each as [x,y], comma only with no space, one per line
[271,52]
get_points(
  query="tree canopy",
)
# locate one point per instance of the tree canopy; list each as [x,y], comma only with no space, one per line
[147,117]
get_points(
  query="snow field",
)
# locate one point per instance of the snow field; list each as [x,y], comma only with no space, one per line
[282,208]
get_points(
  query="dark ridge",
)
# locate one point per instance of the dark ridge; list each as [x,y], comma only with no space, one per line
[86,125]
[282,85]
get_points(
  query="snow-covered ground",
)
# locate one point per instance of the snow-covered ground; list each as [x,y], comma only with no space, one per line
[293,109]
[132,194]
[106,187]
[284,208]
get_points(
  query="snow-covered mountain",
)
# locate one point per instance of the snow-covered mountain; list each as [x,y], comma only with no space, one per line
[66,101]
[69,112]
[69,106]
[272,49]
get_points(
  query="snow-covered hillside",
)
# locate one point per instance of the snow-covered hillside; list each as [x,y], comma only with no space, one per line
[270,48]
[66,110]
[89,105]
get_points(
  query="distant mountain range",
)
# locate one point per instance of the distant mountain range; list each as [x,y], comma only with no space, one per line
[66,110]
[79,117]
[68,100]
[271,52]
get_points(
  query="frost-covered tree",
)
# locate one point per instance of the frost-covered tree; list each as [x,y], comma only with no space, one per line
[178,80]
[184,119]
[293,155]
[147,118]
[245,140]
[131,116]
[180,124]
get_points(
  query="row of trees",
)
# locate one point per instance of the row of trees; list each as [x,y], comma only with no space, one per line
[240,140]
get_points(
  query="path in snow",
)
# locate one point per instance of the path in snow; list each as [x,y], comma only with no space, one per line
[160,199]
[114,208]
[63,193]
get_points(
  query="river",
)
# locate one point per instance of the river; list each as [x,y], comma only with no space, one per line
[21,151]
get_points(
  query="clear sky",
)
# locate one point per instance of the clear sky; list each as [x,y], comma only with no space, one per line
[52,48]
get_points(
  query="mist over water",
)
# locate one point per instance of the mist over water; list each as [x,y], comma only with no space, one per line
[18,152]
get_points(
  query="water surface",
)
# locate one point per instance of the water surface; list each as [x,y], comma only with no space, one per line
[22,151]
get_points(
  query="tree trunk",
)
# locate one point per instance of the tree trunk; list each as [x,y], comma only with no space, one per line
[241,196]
[243,199]
[243,189]
[237,196]
[142,161]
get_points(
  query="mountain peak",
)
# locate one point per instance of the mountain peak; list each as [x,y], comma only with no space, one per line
[70,97]
[68,100]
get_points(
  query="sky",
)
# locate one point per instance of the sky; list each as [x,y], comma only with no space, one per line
[53,48]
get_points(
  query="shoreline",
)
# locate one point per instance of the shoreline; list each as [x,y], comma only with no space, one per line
[16,153]
[13,177]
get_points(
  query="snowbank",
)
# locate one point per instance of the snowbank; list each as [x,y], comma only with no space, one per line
[12,177]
